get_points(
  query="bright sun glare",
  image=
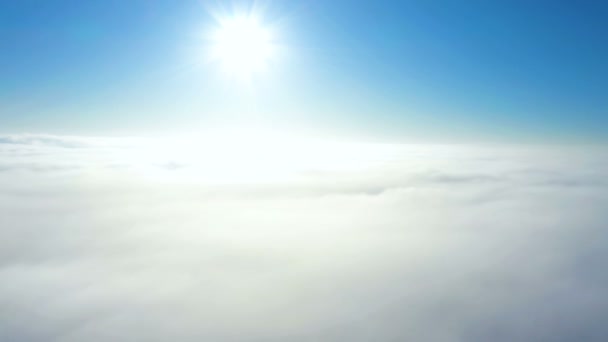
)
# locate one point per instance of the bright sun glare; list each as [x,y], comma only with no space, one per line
[248,156]
[242,46]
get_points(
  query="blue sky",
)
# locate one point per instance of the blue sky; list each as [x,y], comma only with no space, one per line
[394,70]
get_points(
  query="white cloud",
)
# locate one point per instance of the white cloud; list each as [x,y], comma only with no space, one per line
[108,240]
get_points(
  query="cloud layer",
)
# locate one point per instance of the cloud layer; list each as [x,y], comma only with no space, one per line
[130,240]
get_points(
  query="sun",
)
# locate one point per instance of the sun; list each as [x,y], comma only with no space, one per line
[242,46]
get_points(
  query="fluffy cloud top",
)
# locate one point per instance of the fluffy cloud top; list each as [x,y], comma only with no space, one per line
[132,240]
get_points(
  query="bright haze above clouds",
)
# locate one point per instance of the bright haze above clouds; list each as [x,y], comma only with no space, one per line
[236,171]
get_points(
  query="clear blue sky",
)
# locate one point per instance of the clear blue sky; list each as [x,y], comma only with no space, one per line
[399,70]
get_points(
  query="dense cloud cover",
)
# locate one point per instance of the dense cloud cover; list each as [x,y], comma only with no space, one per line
[130,240]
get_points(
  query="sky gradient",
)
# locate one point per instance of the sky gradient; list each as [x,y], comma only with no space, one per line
[393,70]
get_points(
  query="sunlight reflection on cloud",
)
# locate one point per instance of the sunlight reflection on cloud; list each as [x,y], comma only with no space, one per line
[356,242]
